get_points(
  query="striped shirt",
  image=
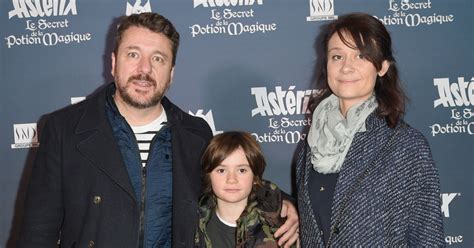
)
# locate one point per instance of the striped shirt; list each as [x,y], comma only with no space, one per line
[144,135]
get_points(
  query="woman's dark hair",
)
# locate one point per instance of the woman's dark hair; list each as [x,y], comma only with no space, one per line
[152,21]
[372,39]
[222,145]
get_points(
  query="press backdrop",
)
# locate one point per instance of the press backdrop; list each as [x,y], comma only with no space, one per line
[242,64]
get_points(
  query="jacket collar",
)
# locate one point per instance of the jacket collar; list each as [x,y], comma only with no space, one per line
[352,166]
[98,144]
[94,115]
[266,201]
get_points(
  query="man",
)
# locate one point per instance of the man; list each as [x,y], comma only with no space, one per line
[121,169]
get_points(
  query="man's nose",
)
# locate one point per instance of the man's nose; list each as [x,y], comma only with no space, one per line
[144,65]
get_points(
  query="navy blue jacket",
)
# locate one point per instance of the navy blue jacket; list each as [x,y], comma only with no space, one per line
[152,183]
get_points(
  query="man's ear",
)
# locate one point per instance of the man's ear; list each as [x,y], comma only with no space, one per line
[171,75]
[112,70]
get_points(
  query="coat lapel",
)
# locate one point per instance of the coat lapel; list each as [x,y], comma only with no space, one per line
[356,162]
[186,161]
[351,169]
[98,144]
[307,168]
[187,150]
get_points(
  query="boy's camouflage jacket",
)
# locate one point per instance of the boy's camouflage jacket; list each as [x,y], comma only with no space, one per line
[257,224]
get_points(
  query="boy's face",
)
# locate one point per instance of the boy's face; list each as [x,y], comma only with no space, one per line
[232,180]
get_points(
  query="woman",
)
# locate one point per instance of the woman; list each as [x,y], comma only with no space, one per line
[365,177]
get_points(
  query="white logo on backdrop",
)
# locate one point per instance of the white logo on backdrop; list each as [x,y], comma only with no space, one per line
[225,3]
[137,7]
[280,102]
[321,10]
[209,118]
[413,13]
[285,103]
[452,240]
[229,21]
[29,8]
[77,99]
[25,135]
[43,31]
[459,97]
[447,199]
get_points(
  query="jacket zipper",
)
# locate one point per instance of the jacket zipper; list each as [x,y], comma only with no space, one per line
[143,191]
[143,169]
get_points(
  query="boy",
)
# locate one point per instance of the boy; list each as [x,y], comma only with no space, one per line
[237,208]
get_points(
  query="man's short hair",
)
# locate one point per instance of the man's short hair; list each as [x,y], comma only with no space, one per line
[152,21]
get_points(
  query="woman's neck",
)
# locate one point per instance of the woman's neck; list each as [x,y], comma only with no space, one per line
[346,104]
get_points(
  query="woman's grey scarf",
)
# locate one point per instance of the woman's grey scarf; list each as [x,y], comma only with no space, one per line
[330,134]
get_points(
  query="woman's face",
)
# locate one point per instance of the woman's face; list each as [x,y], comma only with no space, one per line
[351,77]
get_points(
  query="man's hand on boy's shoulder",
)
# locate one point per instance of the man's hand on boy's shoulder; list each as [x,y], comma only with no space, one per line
[288,234]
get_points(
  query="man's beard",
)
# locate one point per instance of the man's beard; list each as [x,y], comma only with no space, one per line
[134,102]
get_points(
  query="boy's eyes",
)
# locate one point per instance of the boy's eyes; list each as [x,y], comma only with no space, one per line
[239,170]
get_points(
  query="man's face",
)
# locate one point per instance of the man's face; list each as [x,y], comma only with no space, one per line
[142,68]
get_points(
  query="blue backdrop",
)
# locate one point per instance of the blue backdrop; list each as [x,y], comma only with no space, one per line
[242,64]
